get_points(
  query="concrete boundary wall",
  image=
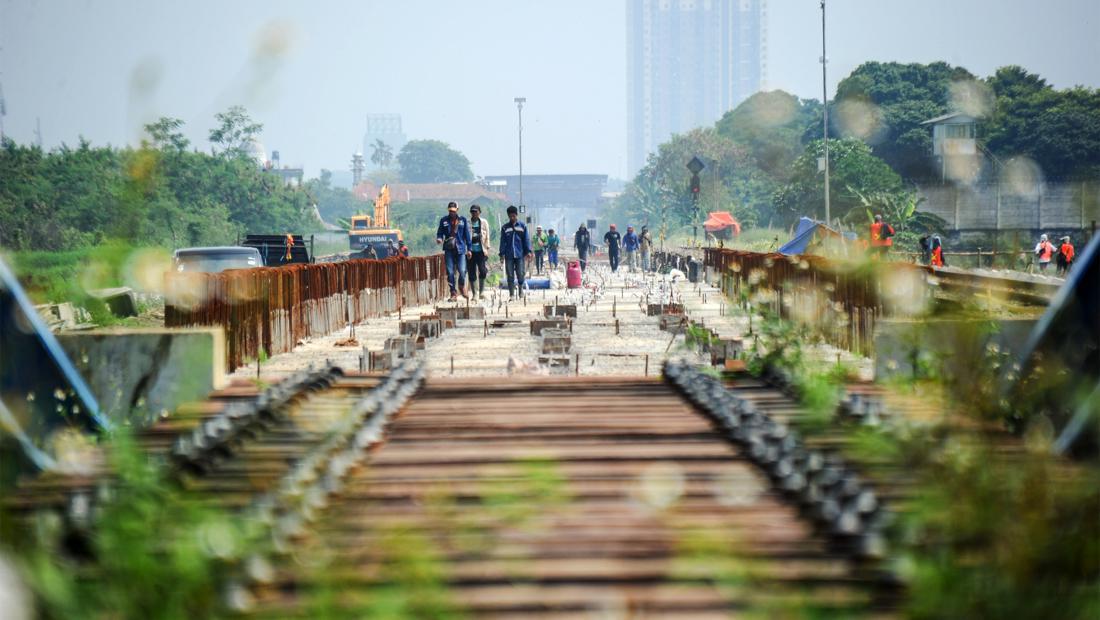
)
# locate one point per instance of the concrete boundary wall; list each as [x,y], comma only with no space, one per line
[271,309]
[1059,206]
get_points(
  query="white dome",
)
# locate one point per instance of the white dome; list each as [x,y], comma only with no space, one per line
[255,149]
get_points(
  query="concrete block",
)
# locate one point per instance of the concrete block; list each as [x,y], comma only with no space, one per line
[556,341]
[402,347]
[555,361]
[659,309]
[120,301]
[551,310]
[137,375]
[538,325]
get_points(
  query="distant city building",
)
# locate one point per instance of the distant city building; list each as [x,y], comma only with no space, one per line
[688,63]
[292,177]
[560,201]
[387,128]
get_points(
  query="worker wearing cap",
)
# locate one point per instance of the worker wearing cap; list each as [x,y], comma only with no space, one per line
[515,247]
[479,249]
[613,240]
[454,235]
[630,246]
[538,245]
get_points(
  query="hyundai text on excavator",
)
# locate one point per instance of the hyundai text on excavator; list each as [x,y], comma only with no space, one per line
[375,231]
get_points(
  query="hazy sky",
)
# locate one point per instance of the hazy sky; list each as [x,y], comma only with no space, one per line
[311,71]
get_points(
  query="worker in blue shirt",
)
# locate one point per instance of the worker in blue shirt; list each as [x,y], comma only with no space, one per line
[630,246]
[454,235]
[515,247]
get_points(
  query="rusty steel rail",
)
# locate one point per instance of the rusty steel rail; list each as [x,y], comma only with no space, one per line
[271,309]
[563,497]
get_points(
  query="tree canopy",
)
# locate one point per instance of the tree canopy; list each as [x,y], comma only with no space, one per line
[159,194]
[432,161]
[854,173]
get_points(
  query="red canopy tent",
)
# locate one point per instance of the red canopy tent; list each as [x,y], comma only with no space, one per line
[721,224]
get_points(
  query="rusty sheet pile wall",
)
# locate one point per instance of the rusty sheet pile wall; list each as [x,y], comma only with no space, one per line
[273,308]
[841,301]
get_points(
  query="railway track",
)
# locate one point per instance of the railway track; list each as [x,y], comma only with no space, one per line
[563,497]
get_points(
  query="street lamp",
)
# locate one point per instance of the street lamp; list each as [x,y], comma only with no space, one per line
[519,108]
[825,110]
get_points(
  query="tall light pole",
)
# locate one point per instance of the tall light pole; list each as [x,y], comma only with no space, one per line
[825,110]
[519,107]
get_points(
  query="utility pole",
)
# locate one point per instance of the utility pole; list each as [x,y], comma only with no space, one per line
[825,109]
[38,131]
[519,108]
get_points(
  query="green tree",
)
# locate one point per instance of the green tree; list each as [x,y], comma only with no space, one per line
[333,203]
[235,131]
[771,125]
[1059,130]
[432,161]
[381,154]
[854,171]
[660,192]
[165,134]
[884,104]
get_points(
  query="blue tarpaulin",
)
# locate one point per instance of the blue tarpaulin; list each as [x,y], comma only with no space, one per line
[808,233]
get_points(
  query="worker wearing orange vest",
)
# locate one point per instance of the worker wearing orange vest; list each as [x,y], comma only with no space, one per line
[289,246]
[1044,250]
[937,252]
[1065,256]
[882,236]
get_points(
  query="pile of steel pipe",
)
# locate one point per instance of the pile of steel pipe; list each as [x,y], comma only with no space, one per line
[838,500]
[273,309]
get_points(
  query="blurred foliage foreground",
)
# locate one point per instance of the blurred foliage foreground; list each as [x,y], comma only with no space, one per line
[995,525]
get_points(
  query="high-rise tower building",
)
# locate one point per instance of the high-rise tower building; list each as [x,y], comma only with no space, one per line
[688,62]
[387,128]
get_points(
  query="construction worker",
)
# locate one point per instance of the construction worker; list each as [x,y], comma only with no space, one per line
[515,247]
[882,237]
[613,240]
[538,244]
[368,252]
[479,249]
[936,253]
[630,246]
[1044,250]
[1065,256]
[645,244]
[553,242]
[403,250]
[582,242]
[925,242]
[391,248]
[454,235]
[289,247]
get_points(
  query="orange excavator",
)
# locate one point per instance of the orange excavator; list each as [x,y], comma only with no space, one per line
[374,232]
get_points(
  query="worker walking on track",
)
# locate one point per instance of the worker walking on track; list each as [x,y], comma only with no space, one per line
[515,247]
[630,246]
[479,250]
[1044,250]
[454,235]
[645,245]
[613,240]
[1065,256]
[553,242]
[538,245]
[882,237]
[582,243]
